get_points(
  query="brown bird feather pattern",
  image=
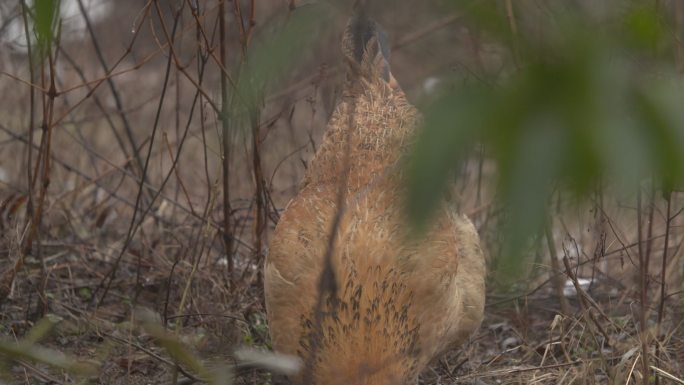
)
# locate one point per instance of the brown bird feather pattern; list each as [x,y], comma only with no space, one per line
[399,301]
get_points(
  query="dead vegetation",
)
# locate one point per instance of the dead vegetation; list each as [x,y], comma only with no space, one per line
[131,177]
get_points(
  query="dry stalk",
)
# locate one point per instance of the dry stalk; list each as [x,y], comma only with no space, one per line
[643,292]
[110,74]
[585,302]
[43,162]
[135,223]
[259,194]
[510,14]
[188,282]
[669,376]
[556,277]
[7,279]
[226,146]
[114,91]
[663,279]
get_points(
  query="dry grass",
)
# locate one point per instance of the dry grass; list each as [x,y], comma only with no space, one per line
[101,249]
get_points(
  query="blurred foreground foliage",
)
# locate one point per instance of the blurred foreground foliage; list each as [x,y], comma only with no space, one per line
[272,56]
[592,96]
[28,350]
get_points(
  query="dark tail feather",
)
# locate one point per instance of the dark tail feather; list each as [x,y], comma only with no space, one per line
[360,31]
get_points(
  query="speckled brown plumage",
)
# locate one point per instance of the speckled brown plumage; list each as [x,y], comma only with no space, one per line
[400,301]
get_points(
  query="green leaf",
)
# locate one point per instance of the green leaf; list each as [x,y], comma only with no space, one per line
[657,108]
[34,353]
[85,293]
[273,55]
[46,19]
[42,328]
[589,100]
[448,131]
[642,27]
[274,362]
[178,350]
[28,350]
[526,188]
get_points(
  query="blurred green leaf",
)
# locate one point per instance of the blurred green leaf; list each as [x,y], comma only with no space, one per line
[85,293]
[42,328]
[526,189]
[34,353]
[26,349]
[178,350]
[273,55]
[658,109]
[274,362]
[46,19]
[449,130]
[486,15]
[580,107]
[642,27]
[170,342]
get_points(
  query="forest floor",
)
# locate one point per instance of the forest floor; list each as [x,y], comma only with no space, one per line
[111,243]
[524,339]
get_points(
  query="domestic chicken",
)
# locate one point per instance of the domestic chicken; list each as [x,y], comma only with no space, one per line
[393,301]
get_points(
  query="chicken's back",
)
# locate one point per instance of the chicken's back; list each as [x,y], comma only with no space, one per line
[400,299]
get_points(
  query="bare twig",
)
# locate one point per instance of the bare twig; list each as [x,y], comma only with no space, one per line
[663,276]
[643,291]
[260,193]
[556,277]
[43,163]
[132,226]
[112,87]
[226,145]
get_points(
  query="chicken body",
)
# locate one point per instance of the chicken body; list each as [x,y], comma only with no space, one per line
[399,301]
